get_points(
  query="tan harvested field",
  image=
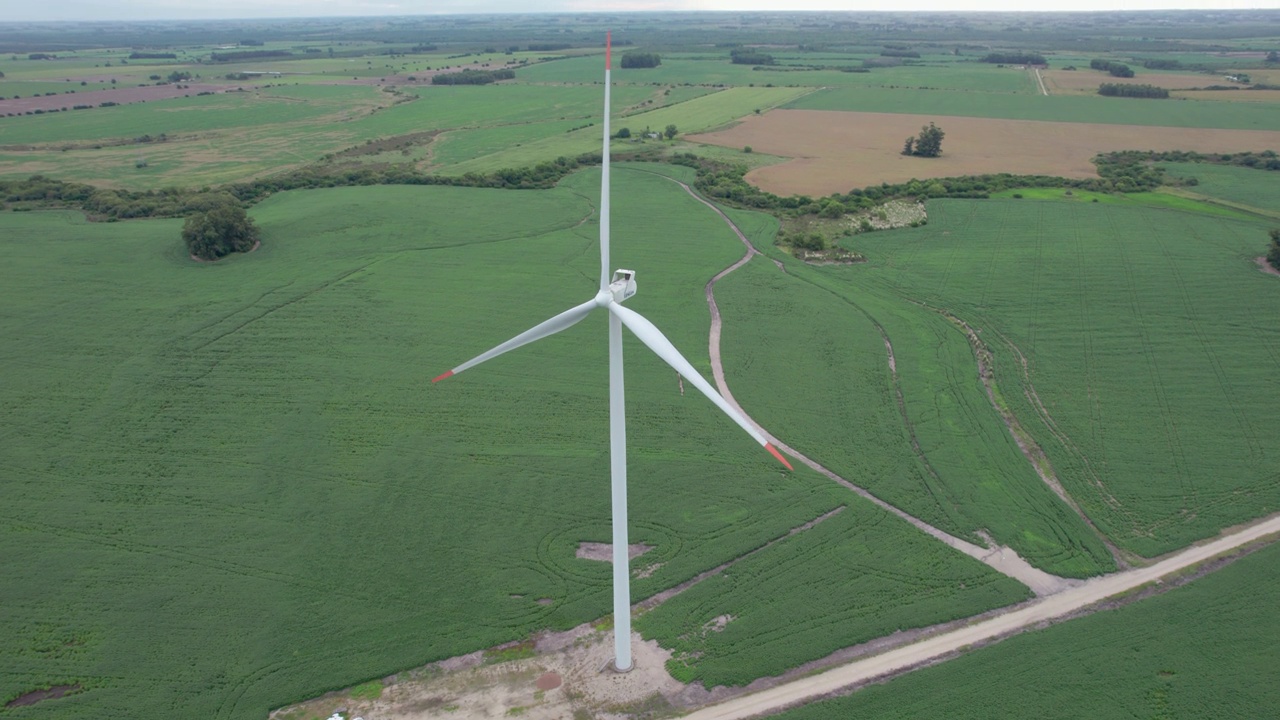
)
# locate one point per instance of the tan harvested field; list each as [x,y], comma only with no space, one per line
[1086,81]
[837,151]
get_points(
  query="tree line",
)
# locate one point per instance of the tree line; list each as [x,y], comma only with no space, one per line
[472,77]
[1115,68]
[744,56]
[641,60]
[1134,91]
[1015,58]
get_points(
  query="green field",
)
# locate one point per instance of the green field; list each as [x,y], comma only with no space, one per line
[1148,344]
[790,603]
[836,400]
[249,455]
[711,69]
[189,115]
[1247,186]
[1203,650]
[229,487]
[1058,108]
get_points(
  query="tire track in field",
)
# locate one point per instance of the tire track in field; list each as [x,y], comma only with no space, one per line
[1219,372]
[1172,438]
[1031,450]
[1001,559]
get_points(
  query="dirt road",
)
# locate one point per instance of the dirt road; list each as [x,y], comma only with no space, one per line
[934,648]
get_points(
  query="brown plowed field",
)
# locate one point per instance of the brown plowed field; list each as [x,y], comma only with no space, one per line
[837,151]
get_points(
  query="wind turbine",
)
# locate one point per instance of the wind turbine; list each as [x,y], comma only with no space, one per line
[613,292]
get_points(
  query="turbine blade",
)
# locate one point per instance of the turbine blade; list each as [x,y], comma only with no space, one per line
[563,321]
[605,271]
[651,336]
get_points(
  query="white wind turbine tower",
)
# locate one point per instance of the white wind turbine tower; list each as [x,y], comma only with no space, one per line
[613,292]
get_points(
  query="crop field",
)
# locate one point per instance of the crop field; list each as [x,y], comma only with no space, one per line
[701,113]
[231,486]
[1119,664]
[837,151]
[1148,346]
[1253,188]
[704,69]
[1056,108]
[790,603]
[940,453]
[248,455]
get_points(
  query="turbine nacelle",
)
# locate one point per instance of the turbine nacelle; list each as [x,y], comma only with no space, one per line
[623,285]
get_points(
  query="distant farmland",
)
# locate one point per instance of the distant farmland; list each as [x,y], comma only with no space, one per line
[838,151]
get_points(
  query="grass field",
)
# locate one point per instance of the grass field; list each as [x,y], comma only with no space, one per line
[1122,663]
[707,69]
[699,114]
[790,603]
[942,454]
[249,455]
[1247,186]
[1147,345]
[190,115]
[1058,108]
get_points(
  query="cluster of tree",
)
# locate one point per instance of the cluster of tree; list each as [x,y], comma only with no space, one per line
[1116,69]
[1273,57]
[1263,160]
[179,76]
[746,56]
[219,230]
[1015,58]
[1159,64]
[251,43]
[895,52]
[640,60]
[1273,253]
[548,47]
[41,56]
[415,50]
[1133,91]
[472,77]
[248,55]
[152,56]
[927,144]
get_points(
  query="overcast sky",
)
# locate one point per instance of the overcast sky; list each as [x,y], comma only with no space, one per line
[231,9]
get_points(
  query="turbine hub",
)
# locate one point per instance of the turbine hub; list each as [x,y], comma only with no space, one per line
[623,285]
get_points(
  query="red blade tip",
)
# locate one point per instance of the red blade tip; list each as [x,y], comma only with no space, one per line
[450,374]
[775,453]
[608,50]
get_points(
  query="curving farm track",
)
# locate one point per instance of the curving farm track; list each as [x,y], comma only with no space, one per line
[1057,598]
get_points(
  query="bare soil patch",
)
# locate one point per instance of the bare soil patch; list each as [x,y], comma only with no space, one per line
[604,551]
[836,151]
[35,696]
[120,95]
[1265,266]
